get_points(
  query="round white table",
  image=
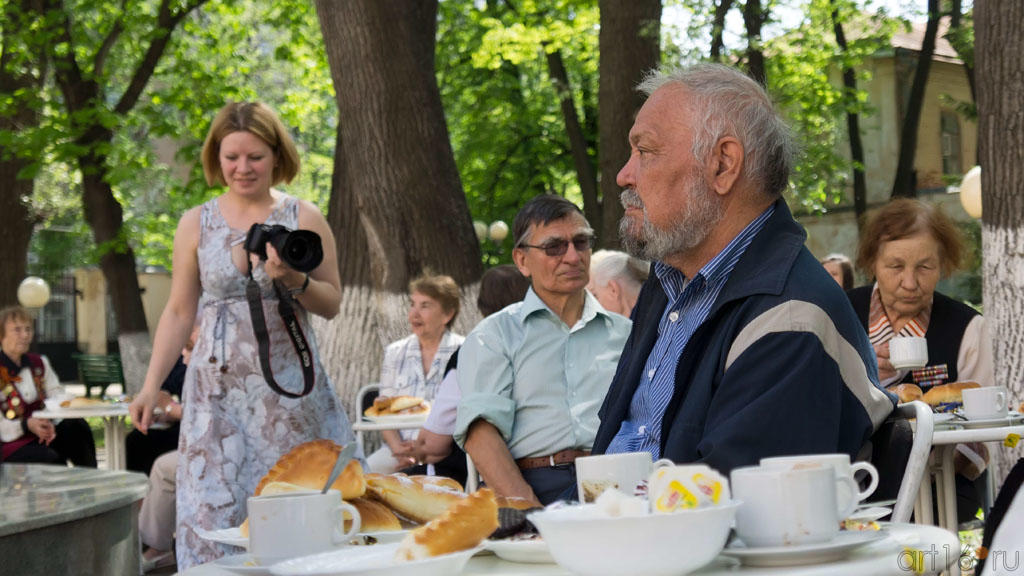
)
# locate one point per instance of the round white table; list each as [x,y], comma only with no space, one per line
[113,427]
[938,549]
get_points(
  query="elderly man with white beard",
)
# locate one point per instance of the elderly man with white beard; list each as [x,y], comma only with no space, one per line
[742,346]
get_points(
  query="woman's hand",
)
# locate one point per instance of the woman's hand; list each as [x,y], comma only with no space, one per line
[141,409]
[277,270]
[42,428]
[885,367]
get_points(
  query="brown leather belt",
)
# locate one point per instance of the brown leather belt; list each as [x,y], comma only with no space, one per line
[562,458]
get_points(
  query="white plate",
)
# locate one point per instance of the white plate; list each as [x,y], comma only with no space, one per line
[371,561]
[420,418]
[242,564]
[836,549]
[234,537]
[230,536]
[523,551]
[1013,417]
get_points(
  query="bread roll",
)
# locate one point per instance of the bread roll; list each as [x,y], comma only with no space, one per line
[395,405]
[373,517]
[419,502]
[437,481]
[907,392]
[82,403]
[461,527]
[308,465]
[951,393]
[516,502]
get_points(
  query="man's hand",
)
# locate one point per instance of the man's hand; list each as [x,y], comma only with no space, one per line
[42,428]
[492,459]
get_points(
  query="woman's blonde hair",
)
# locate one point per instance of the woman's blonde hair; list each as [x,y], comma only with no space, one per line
[259,120]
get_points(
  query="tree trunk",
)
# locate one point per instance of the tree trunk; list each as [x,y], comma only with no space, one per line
[585,173]
[997,26]
[87,107]
[18,83]
[718,29]
[904,185]
[397,203]
[753,19]
[630,45]
[860,191]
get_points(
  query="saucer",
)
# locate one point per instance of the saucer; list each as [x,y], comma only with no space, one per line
[242,564]
[772,556]
[372,560]
[233,536]
[522,551]
[1012,417]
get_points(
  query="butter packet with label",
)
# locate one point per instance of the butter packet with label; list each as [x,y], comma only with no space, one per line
[674,488]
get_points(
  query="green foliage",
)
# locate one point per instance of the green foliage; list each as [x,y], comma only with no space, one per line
[503,115]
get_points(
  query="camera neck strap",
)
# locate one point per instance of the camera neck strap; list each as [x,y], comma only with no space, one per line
[291,323]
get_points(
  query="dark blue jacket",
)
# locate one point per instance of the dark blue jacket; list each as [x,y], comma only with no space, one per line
[781,365]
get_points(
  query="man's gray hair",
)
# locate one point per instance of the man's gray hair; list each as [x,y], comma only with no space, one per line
[608,264]
[729,103]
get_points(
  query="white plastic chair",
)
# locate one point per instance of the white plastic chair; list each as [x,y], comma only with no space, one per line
[361,397]
[916,466]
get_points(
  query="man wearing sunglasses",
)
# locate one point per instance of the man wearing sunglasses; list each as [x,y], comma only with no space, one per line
[533,375]
[742,346]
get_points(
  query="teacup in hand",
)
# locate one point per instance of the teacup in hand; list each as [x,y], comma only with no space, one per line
[787,507]
[283,526]
[626,472]
[985,403]
[908,352]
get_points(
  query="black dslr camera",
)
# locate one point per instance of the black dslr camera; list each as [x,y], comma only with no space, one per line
[300,249]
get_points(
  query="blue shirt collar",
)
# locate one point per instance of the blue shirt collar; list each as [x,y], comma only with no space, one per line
[532,304]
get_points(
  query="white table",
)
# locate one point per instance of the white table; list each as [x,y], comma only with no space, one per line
[113,427]
[883,558]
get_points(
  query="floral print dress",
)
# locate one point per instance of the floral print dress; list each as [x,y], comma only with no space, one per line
[235,426]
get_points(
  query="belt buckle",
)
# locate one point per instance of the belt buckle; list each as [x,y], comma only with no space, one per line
[551,460]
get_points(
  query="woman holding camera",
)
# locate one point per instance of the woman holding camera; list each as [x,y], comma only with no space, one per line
[251,399]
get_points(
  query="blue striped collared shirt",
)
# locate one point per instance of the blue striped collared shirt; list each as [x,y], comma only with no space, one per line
[689,303]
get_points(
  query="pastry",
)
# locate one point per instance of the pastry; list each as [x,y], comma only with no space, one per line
[82,403]
[945,397]
[516,502]
[397,405]
[308,465]
[437,481]
[373,517]
[907,392]
[418,501]
[461,527]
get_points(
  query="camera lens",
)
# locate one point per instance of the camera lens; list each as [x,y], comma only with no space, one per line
[301,250]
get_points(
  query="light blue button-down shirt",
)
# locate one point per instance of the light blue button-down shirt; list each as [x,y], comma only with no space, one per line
[536,380]
[689,303]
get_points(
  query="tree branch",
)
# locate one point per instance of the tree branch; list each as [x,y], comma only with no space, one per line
[100,58]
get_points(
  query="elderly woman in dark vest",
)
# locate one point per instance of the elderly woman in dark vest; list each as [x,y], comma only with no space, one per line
[907,246]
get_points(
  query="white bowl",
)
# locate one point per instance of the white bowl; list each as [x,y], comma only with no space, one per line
[585,541]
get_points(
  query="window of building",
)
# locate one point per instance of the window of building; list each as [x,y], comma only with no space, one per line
[950,141]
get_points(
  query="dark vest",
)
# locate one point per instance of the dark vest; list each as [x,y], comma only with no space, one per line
[945,332]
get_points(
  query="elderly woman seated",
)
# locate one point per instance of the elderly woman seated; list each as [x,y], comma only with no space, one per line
[414,366]
[907,246]
[26,381]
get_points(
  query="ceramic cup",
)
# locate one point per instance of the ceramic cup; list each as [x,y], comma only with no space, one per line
[985,403]
[627,472]
[908,352]
[840,463]
[787,507]
[294,524]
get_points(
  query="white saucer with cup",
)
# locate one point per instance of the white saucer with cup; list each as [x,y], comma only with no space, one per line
[840,463]
[788,507]
[985,403]
[627,472]
[908,352]
[292,524]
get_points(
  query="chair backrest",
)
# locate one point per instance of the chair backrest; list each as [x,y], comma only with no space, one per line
[900,453]
[99,370]
[365,397]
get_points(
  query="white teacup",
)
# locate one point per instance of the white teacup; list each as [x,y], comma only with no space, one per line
[627,472]
[908,352]
[786,507]
[294,524]
[985,403]
[843,468]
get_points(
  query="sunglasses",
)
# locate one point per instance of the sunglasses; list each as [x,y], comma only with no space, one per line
[559,247]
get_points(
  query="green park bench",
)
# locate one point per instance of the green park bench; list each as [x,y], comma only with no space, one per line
[99,370]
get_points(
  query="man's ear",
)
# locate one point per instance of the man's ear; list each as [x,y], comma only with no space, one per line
[519,258]
[614,289]
[726,164]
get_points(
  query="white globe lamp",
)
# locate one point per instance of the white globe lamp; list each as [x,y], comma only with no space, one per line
[480,229]
[970,192]
[33,292]
[498,231]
